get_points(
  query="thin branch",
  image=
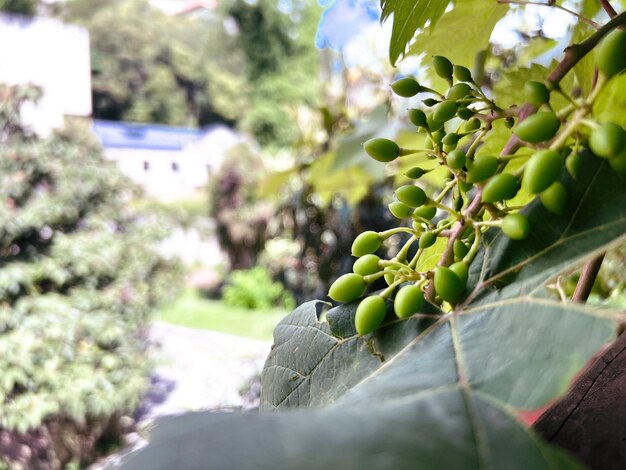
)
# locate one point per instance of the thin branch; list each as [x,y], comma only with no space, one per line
[587,278]
[582,18]
[608,8]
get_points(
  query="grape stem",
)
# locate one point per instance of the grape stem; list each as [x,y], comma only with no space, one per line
[587,278]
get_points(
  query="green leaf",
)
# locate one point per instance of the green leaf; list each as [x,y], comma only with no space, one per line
[585,68]
[610,104]
[408,17]
[461,32]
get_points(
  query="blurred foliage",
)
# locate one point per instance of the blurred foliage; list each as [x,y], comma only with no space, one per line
[150,67]
[254,289]
[24,7]
[79,279]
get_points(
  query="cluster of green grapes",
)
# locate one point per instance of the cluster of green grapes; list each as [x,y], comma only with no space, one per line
[474,197]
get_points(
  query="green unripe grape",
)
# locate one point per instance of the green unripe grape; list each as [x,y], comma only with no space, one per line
[509,122]
[574,163]
[369,314]
[465,113]
[515,226]
[472,125]
[439,135]
[415,173]
[611,53]
[457,202]
[456,159]
[443,67]
[412,196]
[459,91]
[406,87]
[433,125]
[500,188]
[427,240]
[448,285]
[366,265]
[449,148]
[542,169]
[462,74]
[536,93]
[481,168]
[425,212]
[451,139]
[409,300]
[365,243]
[618,163]
[417,117]
[445,111]
[460,249]
[399,210]
[430,102]
[538,127]
[607,140]
[461,270]
[554,198]
[347,288]
[382,150]
[390,277]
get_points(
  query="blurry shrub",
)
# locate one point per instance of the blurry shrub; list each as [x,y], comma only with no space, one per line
[24,7]
[254,289]
[78,280]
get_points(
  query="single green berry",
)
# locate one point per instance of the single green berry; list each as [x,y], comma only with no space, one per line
[611,53]
[427,239]
[574,163]
[451,139]
[449,148]
[347,288]
[390,277]
[509,122]
[456,159]
[409,301]
[536,93]
[607,140]
[415,173]
[448,285]
[366,243]
[425,212]
[515,226]
[399,210]
[459,91]
[366,265]
[464,186]
[417,117]
[538,127]
[481,168]
[461,270]
[462,74]
[445,111]
[443,67]
[430,102]
[466,114]
[370,314]
[412,196]
[554,198]
[542,169]
[406,87]
[472,125]
[501,187]
[460,249]
[382,150]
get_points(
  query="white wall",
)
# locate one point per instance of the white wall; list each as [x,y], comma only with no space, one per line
[50,54]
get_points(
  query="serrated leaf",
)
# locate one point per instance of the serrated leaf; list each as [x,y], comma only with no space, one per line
[408,17]
[461,32]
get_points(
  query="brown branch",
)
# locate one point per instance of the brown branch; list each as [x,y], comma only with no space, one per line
[587,278]
[608,8]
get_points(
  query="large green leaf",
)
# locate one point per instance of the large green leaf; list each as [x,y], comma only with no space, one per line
[408,17]
[439,390]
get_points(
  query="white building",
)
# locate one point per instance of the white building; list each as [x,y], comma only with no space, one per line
[53,56]
[168,162]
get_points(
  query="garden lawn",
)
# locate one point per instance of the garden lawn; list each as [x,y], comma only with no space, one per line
[193,311]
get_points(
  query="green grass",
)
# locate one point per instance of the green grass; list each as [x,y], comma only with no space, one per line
[193,311]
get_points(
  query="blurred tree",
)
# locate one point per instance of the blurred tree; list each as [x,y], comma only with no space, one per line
[24,7]
[79,277]
[147,66]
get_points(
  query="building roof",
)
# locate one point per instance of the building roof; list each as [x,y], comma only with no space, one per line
[115,134]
